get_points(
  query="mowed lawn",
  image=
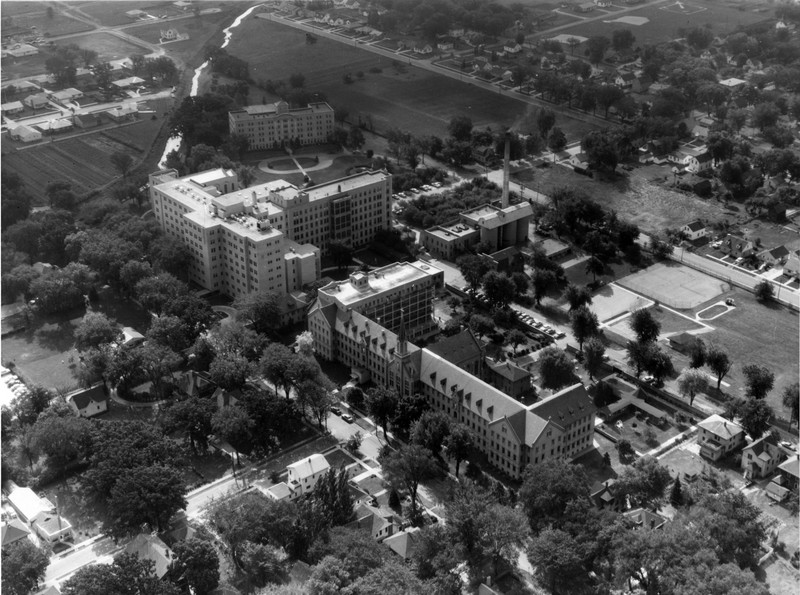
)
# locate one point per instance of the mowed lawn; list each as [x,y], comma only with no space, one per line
[666,21]
[108,47]
[113,13]
[652,207]
[411,99]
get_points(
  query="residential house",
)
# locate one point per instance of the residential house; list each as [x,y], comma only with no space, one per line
[445,43]
[646,519]
[683,342]
[423,50]
[792,266]
[11,108]
[584,7]
[89,402]
[605,496]
[304,474]
[719,437]
[694,230]
[512,48]
[13,531]
[737,246]
[463,350]
[732,83]
[39,514]
[484,155]
[66,95]
[86,121]
[641,84]
[20,50]
[128,82]
[776,256]
[508,377]
[150,547]
[170,34]
[25,134]
[380,524]
[625,80]
[579,160]
[790,472]
[762,457]
[36,101]
[701,162]
[122,113]
[603,3]
[404,543]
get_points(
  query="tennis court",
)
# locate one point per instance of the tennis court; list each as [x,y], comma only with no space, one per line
[675,285]
[612,301]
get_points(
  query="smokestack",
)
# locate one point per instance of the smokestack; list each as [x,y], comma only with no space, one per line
[506,158]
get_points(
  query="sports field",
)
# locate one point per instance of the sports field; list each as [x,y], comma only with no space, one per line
[612,301]
[411,99]
[108,47]
[665,21]
[675,285]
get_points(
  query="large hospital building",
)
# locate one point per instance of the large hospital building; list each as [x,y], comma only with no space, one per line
[270,126]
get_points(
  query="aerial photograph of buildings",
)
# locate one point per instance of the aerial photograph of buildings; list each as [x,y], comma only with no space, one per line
[400,297]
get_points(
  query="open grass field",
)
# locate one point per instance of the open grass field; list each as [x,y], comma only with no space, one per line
[667,21]
[15,68]
[113,13]
[37,22]
[634,198]
[108,47]
[675,285]
[410,99]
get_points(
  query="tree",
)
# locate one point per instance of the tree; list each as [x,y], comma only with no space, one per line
[625,449]
[515,338]
[197,563]
[314,396]
[698,353]
[192,418]
[764,291]
[392,577]
[332,495]
[676,495]
[622,39]
[459,444]
[481,325]
[150,494]
[341,252]
[233,425]
[127,575]
[699,38]
[555,368]
[499,289]
[577,296]
[155,292]
[230,371]
[754,415]
[644,325]
[547,489]
[600,150]
[557,140]
[473,268]
[276,365]
[545,120]
[659,363]
[759,380]
[27,407]
[690,382]
[555,556]
[593,356]
[765,115]
[95,330]
[431,430]
[407,467]
[460,128]
[123,162]
[644,482]
[791,400]
[595,266]
[543,280]
[24,565]
[596,47]
[354,548]
[261,309]
[718,361]
[584,325]
[608,95]
[382,406]
[60,439]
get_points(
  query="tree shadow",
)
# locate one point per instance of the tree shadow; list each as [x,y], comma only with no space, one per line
[61,338]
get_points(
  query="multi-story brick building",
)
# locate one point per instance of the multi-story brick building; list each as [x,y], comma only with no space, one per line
[276,124]
[511,434]
[267,237]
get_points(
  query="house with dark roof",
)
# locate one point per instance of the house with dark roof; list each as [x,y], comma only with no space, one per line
[737,246]
[683,342]
[86,121]
[719,437]
[789,470]
[625,80]
[762,457]
[573,410]
[380,524]
[605,497]
[700,162]
[90,401]
[508,377]
[150,547]
[694,230]
[404,543]
[775,256]
[463,350]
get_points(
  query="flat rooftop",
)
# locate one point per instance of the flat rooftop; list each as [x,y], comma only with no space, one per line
[345,184]
[452,231]
[273,108]
[381,280]
[491,216]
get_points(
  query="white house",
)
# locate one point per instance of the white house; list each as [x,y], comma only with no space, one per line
[762,457]
[512,48]
[303,475]
[625,80]
[792,266]
[36,100]
[719,437]
[40,514]
[12,107]
[26,134]
[698,163]
[88,402]
[694,230]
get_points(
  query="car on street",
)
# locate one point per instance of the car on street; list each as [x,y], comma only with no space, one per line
[415,190]
[437,184]
[348,418]
[336,411]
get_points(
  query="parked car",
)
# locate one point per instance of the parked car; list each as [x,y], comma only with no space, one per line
[348,418]
[336,411]
[415,190]
[437,184]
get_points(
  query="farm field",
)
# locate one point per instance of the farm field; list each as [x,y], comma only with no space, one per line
[15,68]
[23,23]
[82,160]
[666,20]
[653,208]
[413,100]
[109,47]
[113,13]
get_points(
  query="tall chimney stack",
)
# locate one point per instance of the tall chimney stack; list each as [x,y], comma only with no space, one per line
[506,158]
